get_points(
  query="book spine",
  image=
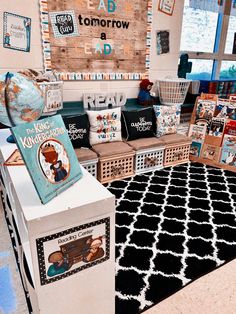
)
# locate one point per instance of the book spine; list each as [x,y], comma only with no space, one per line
[204,87]
[220,88]
[213,87]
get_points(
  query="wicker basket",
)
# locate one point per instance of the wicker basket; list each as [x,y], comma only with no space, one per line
[172,91]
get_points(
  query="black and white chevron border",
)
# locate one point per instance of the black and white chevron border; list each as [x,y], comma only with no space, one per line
[172,226]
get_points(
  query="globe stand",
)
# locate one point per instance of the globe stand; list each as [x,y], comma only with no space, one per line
[10,138]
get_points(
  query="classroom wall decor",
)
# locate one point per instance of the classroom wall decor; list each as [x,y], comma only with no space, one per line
[16,32]
[97,39]
[163,42]
[166,6]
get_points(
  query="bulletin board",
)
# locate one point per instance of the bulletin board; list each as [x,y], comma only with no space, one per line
[97,39]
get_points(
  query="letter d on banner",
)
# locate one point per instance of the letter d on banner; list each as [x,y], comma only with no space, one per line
[111,6]
[107,49]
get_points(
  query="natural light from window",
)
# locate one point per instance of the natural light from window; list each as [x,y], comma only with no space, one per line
[198,29]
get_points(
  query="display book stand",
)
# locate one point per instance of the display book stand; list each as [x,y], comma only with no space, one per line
[55,240]
[208,148]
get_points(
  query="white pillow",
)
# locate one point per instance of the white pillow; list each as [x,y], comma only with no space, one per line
[167,119]
[105,126]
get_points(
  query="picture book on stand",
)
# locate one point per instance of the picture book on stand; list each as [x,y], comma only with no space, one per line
[48,155]
[215,132]
[228,156]
[204,112]
[197,133]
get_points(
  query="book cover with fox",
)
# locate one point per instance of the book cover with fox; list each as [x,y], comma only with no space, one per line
[48,155]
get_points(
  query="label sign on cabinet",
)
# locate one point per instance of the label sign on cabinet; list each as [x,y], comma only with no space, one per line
[69,251]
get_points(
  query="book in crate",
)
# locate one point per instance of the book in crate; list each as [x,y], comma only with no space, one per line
[48,155]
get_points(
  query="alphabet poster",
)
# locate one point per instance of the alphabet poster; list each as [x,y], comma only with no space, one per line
[69,251]
[97,39]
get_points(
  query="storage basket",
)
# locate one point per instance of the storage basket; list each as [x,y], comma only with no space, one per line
[176,154]
[172,91]
[115,167]
[177,147]
[90,166]
[88,159]
[149,159]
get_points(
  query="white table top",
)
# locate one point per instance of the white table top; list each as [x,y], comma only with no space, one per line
[85,191]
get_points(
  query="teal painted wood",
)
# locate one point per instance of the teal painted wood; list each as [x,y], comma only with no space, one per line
[73,108]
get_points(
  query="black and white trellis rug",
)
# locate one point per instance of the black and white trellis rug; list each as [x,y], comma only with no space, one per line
[172,226]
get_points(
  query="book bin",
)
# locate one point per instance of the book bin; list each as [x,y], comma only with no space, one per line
[177,147]
[88,159]
[149,154]
[116,161]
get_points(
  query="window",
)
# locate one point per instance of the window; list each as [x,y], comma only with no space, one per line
[209,38]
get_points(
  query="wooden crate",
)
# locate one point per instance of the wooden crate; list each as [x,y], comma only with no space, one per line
[115,167]
[176,154]
[177,148]
[115,161]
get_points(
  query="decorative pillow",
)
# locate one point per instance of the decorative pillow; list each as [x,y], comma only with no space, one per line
[167,119]
[105,126]
[78,130]
[137,124]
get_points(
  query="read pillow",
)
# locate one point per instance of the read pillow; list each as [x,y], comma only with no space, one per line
[105,126]
[78,130]
[137,124]
[167,119]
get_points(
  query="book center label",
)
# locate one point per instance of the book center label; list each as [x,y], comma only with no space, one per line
[69,251]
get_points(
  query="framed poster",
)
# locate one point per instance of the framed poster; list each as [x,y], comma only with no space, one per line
[97,39]
[16,32]
[166,6]
[69,251]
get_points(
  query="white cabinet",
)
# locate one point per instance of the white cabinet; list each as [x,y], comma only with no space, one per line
[68,243]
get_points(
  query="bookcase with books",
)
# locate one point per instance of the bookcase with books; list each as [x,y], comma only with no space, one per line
[223,88]
[213,131]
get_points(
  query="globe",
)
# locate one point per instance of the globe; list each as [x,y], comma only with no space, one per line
[25,99]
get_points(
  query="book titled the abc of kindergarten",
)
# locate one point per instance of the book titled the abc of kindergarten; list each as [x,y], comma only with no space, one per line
[49,155]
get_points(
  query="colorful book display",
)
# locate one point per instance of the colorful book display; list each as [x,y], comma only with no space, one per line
[48,155]
[213,130]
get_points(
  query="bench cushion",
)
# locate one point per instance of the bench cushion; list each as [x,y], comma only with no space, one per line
[111,149]
[145,143]
[175,139]
[84,154]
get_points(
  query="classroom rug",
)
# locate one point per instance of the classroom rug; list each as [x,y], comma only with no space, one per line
[172,226]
